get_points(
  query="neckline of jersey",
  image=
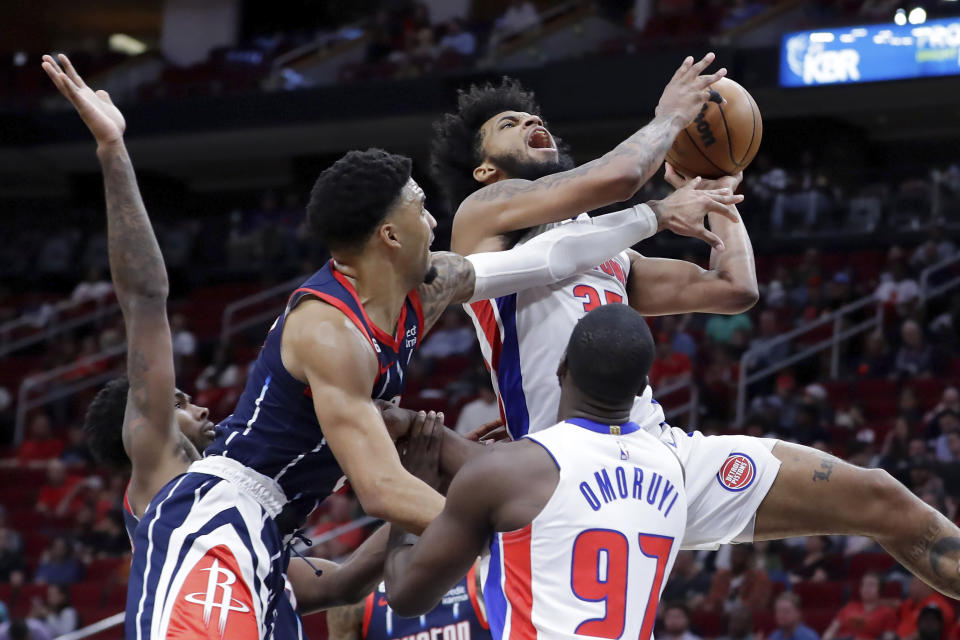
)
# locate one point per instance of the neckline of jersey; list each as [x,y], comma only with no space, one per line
[599,427]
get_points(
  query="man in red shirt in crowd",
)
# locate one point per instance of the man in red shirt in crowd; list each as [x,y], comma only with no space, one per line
[669,367]
[919,597]
[867,619]
[61,494]
[40,445]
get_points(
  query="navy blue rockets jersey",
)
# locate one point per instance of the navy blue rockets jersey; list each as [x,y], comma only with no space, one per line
[274,429]
[459,616]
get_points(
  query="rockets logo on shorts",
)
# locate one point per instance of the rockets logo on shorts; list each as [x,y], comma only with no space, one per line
[214,601]
[737,472]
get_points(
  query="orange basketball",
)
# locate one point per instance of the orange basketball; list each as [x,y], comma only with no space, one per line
[723,139]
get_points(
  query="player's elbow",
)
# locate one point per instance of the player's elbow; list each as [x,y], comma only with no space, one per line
[408,603]
[743,297]
[375,496]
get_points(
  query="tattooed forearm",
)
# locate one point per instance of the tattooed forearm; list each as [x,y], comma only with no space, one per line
[639,156]
[136,263]
[922,544]
[452,282]
[826,468]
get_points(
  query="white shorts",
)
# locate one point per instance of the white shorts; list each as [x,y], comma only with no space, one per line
[726,478]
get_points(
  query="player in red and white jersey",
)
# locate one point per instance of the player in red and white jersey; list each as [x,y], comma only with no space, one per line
[584,518]
[511,179]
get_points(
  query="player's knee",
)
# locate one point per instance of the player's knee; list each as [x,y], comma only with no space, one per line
[885,495]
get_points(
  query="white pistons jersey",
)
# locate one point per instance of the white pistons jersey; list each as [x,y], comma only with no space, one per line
[595,560]
[523,337]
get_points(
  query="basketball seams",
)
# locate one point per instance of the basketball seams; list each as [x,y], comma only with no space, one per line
[722,171]
[753,117]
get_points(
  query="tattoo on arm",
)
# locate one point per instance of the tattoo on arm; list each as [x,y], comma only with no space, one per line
[826,468]
[136,263]
[453,283]
[646,149]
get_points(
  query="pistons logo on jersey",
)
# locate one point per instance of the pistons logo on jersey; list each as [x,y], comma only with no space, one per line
[737,472]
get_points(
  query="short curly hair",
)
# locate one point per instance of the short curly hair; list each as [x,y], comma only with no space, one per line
[103,425]
[354,195]
[457,148]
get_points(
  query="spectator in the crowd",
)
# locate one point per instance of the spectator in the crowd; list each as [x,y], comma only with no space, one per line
[4,613]
[931,624]
[908,406]
[893,454]
[458,39]
[451,338]
[112,535]
[815,565]
[184,342]
[919,597]
[676,623]
[76,452]
[521,15]
[669,367]
[742,585]
[689,582]
[93,287]
[875,361]
[480,410]
[914,358]
[336,511]
[787,613]
[57,612]
[59,495]
[40,445]
[720,328]
[223,372]
[28,629]
[739,625]
[937,248]
[58,565]
[839,291]
[896,287]
[949,401]
[11,559]
[680,338]
[949,424]
[14,540]
[865,619]
[765,353]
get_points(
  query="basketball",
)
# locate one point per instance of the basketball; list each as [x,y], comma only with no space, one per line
[723,139]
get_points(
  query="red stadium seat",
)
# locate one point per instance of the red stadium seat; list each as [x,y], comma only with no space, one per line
[892,589]
[708,624]
[820,618]
[315,626]
[105,568]
[820,594]
[864,562]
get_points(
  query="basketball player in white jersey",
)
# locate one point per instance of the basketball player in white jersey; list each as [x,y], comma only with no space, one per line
[584,518]
[511,180]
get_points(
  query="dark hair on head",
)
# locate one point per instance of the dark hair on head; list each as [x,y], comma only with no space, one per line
[610,353]
[103,425]
[354,195]
[18,629]
[677,604]
[456,148]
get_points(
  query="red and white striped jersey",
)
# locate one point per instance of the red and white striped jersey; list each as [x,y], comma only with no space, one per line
[594,561]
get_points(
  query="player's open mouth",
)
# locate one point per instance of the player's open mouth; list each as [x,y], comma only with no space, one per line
[210,429]
[539,139]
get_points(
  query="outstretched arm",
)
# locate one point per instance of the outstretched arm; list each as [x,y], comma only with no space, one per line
[514,204]
[570,248]
[139,279]
[660,286]
[340,584]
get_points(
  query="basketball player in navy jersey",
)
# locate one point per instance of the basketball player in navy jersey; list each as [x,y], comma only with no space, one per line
[142,423]
[510,178]
[459,615]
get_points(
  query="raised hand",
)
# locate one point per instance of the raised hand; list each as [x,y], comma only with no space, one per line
[684,210]
[97,111]
[726,182]
[687,90]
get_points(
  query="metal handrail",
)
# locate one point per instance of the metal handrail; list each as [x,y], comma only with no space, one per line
[55,326]
[839,335]
[229,327]
[25,403]
[95,628]
[925,288]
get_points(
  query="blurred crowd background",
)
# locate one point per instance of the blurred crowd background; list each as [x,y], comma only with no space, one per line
[853,205]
